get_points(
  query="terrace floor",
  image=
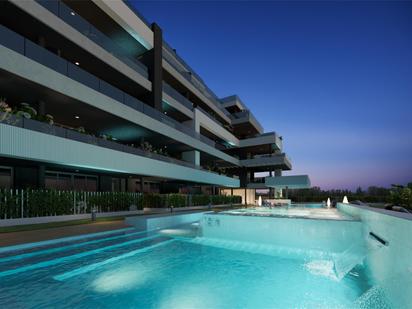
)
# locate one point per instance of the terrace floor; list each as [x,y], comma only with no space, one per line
[15,238]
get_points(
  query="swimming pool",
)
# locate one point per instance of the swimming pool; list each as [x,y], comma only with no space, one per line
[224,261]
[313,211]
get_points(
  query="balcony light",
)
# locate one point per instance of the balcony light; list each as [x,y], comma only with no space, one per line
[165,113]
[77,117]
[77,63]
[72,13]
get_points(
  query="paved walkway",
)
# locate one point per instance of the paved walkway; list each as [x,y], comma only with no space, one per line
[15,238]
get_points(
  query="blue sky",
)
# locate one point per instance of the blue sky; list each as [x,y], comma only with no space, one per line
[333,78]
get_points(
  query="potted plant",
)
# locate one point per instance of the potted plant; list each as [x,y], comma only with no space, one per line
[26,111]
[4,107]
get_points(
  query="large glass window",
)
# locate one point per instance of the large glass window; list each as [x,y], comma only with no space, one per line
[70,181]
[6,180]
[118,184]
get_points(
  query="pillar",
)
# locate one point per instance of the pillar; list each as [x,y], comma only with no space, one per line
[192,156]
[156,69]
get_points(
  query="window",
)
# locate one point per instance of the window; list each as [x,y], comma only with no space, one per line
[6,180]
[70,181]
[118,184]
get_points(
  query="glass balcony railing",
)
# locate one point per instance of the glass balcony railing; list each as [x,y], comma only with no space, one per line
[180,65]
[41,55]
[68,15]
[55,130]
[177,96]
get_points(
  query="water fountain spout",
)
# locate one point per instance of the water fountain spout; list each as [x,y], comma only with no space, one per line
[328,203]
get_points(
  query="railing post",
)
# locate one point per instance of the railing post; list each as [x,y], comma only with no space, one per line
[21,203]
[74,202]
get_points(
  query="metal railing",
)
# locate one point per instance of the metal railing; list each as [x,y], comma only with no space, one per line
[39,54]
[68,15]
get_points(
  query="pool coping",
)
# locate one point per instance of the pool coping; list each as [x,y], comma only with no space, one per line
[391,213]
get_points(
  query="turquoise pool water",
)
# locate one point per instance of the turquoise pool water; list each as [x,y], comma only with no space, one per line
[177,268]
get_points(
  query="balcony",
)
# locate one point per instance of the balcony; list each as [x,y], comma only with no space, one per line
[9,120]
[271,139]
[177,96]
[183,68]
[268,161]
[67,14]
[41,55]
[246,119]
[58,145]
[170,56]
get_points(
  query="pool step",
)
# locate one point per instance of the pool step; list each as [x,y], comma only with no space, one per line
[67,247]
[73,257]
[92,267]
[61,240]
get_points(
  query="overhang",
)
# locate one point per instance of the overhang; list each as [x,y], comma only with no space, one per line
[290,182]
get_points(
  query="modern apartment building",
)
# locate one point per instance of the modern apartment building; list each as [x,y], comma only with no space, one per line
[93,98]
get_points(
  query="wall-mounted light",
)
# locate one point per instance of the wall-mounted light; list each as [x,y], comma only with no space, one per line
[165,113]
[77,117]
[77,63]
[72,13]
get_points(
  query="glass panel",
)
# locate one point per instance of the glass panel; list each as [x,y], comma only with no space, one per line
[79,183]
[91,183]
[58,181]
[5,178]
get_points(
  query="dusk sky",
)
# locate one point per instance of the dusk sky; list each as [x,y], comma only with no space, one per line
[333,78]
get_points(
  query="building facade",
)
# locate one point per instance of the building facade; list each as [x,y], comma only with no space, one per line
[93,98]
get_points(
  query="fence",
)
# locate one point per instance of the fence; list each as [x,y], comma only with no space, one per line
[30,203]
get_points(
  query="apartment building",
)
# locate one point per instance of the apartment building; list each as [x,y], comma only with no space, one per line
[92,98]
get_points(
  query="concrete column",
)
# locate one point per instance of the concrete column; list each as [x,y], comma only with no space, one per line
[156,70]
[192,156]
[278,172]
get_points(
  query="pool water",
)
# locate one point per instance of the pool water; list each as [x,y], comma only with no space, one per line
[174,268]
[312,211]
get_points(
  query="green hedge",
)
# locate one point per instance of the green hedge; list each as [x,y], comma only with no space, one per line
[37,203]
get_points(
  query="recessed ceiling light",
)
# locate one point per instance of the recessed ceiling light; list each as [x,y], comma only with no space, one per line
[72,13]
[77,63]
[77,117]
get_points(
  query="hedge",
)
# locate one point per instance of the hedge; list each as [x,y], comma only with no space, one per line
[37,203]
